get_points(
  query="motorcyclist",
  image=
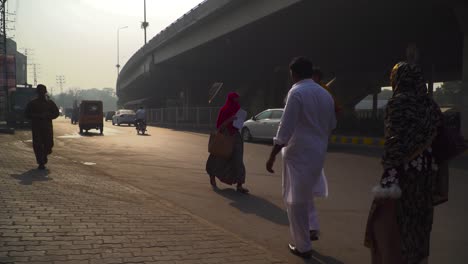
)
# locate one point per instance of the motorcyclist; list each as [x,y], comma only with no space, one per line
[140,117]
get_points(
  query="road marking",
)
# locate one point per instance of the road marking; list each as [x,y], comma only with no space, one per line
[70,136]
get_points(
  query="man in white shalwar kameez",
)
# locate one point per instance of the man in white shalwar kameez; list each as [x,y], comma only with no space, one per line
[306,125]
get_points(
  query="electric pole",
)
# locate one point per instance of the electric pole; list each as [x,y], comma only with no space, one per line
[26,53]
[32,66]
[3,34]
[10,22]
[60,82]
[35,74]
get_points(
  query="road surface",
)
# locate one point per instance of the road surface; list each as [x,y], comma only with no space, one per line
[170,164]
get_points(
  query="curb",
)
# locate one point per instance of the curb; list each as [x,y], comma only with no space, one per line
[7,130]
[368,141]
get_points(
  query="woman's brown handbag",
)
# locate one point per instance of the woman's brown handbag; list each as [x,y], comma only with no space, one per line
[221,144]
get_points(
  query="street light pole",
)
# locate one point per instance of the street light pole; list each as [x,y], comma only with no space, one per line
[118,49]
[144,3]
[144,24]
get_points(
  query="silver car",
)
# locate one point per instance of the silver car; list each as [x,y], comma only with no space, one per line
[124,116]
[262,126]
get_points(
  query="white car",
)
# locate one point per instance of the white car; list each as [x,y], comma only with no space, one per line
[262,126]
[124,116]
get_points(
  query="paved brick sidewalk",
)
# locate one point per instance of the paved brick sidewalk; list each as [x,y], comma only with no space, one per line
[70,215]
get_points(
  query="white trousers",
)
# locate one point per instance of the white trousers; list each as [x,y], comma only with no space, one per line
[303,217]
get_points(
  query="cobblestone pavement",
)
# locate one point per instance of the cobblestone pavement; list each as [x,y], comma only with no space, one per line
[68,214]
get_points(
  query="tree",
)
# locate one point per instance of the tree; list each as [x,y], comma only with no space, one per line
[106,95]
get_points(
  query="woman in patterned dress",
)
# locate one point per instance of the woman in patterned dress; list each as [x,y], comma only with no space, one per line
[400,220]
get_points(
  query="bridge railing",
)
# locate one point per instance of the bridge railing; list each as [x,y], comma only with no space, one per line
[184,117]
[363,123]
[205,118]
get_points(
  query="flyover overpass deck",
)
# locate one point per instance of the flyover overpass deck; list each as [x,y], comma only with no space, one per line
[248,45]
[197,13]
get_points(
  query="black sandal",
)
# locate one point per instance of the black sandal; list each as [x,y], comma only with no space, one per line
[304,255]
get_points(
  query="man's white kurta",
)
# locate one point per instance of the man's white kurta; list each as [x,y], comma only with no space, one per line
[305,128]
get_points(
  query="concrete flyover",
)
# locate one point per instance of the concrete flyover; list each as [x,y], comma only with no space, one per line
[247,45]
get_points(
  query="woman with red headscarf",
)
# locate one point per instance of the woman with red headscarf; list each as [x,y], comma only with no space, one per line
[231,171]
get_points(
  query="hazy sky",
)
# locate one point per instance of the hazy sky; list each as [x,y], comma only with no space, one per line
[78,38]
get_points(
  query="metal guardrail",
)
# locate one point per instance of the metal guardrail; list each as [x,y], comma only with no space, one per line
[369,114]
[205,117]
[194,117]
[364,124]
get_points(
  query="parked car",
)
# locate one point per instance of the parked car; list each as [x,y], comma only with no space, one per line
[262,126]
[124,116]
[91,116]
[109,115]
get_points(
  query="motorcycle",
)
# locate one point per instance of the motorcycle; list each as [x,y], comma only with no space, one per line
[140,127]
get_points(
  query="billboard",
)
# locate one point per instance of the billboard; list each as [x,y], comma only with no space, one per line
[11,72]
[8,82]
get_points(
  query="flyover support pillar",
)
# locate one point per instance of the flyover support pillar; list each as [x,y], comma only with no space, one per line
[464,100]
[462,12]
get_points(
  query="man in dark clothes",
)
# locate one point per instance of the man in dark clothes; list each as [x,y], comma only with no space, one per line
[41,111]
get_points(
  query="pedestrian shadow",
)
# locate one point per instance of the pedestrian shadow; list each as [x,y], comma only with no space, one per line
[251,204]
[318,258]
[34,175]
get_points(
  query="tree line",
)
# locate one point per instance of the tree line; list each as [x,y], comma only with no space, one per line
[106,95]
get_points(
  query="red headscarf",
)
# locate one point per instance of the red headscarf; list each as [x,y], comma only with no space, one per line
[229,109]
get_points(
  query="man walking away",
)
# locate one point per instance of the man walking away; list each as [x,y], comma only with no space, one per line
[305,128]
[41,111]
